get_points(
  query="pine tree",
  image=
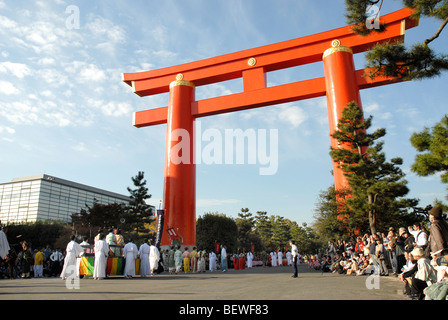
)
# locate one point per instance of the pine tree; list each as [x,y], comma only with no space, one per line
[139,212]
[393,59]
[432,145]
[376,185]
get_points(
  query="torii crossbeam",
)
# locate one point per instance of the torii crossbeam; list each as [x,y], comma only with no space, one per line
[341,85]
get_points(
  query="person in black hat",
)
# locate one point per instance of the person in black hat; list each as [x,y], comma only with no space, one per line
[438,233]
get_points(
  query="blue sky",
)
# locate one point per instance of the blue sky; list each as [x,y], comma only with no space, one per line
[64,110]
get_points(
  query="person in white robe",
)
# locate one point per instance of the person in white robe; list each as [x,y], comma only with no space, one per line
[101,253]
[143,253]
[4,245]
[154,257]
[274,259]
[288,258]
[280,258]
[212,261]
[250,257]
[130,252]
[72,252]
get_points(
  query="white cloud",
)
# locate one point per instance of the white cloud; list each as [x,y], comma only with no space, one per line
[7,130]
[371,107]
[104,30]
[117,109]
[8,88]
[293,115]
[19,70]
[81,147]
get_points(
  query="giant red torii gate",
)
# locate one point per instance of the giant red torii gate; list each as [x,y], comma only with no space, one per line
[341,85]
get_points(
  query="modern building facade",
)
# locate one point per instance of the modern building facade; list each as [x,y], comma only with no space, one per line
[43,197]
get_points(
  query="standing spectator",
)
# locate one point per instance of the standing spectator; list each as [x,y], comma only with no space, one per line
[39,263]
[295,256]
[26,259]
[380,254]
[399,249]
[438,233]
[73,251]
[130,252]
[101,253]
[56,258]
[289,258]
[391,250]
[420,236]
[331,249]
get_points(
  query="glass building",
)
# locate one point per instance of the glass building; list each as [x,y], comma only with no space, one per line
[45,197]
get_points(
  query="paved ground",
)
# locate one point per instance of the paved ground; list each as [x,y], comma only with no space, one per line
[251,284]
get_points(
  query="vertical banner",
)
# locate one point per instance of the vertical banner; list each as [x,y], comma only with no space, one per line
[160,220]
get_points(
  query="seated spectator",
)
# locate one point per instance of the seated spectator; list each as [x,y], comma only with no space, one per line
[424,275]
[438,290]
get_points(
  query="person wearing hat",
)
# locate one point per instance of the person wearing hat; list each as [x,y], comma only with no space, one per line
[424,276]
[438,238]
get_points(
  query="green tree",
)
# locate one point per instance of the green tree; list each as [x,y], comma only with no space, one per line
[376,185]
[263,227]
[432,145]
[104,216]
[218,227]
[327,222]
[138,214]
[394,59]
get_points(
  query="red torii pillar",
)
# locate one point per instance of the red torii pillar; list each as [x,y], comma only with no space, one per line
[341,85]
[180,170]
[342,88]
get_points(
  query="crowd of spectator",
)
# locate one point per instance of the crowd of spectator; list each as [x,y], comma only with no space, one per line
[407,253]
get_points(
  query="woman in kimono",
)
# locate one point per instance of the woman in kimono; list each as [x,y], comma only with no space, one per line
[171,262]
[186,257]
[101,254]
[130,252]
[143,252]
[178,260]
[201,261]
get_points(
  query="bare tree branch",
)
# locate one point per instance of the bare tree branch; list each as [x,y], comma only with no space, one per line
[436,35]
